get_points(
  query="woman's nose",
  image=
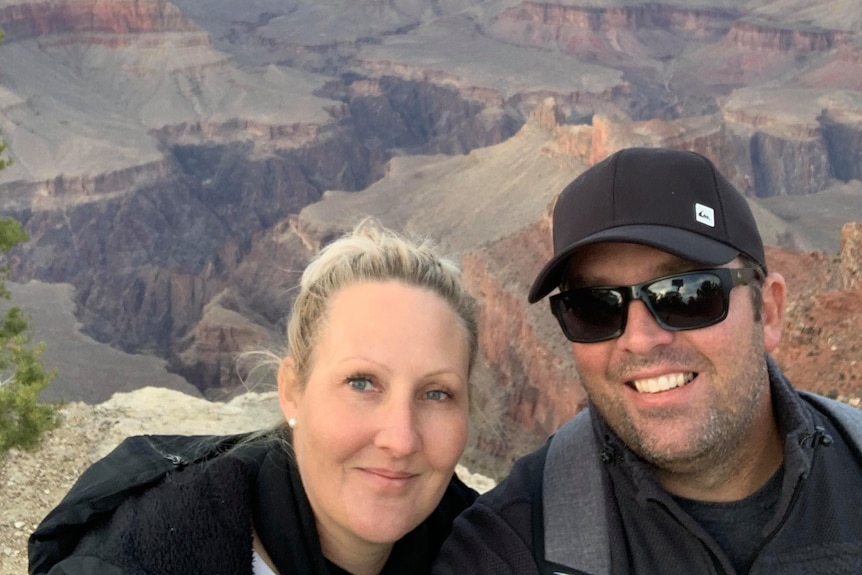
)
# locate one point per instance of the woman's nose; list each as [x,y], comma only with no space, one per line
[398,433]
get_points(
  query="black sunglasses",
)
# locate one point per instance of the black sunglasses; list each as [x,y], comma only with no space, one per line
[689,300]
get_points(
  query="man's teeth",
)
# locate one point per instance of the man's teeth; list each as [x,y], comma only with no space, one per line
[662,383]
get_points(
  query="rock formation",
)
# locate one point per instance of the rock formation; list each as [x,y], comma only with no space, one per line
[851,256]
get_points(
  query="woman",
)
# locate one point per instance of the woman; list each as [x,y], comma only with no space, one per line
[360,480]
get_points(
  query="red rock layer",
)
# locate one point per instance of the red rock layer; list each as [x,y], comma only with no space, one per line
[89,16]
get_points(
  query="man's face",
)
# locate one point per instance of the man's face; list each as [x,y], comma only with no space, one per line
[682,400]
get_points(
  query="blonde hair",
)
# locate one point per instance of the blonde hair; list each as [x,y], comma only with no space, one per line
[372,253]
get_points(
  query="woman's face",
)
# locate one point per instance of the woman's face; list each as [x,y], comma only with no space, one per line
[382,419]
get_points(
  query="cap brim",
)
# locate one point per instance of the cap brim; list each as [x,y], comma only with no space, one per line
[682,243]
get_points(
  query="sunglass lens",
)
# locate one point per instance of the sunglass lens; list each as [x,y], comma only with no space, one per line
[591,314]
[688,301]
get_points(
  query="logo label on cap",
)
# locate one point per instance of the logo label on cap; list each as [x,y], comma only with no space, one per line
[705,215]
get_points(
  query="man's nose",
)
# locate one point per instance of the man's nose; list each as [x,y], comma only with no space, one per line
[642,332]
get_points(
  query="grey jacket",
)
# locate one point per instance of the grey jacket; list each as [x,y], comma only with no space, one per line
[584,503]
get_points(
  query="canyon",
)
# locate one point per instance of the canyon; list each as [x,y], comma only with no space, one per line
[176,165]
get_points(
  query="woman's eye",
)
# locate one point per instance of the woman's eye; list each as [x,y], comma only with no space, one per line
[438,395]
[360,383]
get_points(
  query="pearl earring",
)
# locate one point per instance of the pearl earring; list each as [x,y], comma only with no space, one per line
[291,423]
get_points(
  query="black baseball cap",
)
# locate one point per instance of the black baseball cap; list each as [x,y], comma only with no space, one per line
[672,200]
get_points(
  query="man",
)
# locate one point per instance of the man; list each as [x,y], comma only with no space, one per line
[696,455]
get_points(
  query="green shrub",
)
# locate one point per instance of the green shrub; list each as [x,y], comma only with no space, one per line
[23,420]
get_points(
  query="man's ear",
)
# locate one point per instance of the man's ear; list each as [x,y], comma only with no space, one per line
[774,290]
[288,387]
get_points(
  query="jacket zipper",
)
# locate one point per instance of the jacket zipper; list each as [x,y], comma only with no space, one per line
[818,438]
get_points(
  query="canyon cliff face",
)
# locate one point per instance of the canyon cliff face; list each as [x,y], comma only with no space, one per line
[178,163]
[149,246]
[819,350]
[38,19]
[574,29]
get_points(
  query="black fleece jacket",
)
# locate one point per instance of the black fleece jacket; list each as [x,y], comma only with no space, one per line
[199,520]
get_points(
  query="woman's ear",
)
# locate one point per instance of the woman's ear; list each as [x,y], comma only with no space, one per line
[288,388]
[774,290]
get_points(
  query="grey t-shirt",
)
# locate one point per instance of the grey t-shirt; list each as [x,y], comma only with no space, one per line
[738,526]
